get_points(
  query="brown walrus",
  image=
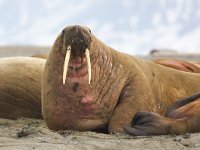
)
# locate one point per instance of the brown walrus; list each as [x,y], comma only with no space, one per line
[20,87]
[88,85]
[179,64]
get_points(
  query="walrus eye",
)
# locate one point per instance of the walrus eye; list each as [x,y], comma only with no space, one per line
[86,28]
[63,32]
[87,54]
[66,62]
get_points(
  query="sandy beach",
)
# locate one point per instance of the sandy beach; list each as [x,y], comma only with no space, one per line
[25,134]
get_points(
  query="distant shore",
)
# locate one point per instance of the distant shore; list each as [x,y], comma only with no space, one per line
[12,51]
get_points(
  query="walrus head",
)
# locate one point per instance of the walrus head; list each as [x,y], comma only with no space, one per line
[78,82]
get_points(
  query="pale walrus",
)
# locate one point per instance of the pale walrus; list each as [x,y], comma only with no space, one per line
[88,86]
[20,87]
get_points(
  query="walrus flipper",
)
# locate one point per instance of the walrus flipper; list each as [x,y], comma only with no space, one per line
[182,117]
[182,102]
[146,123]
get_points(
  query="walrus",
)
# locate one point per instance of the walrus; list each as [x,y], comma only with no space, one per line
[88,85]
[179,64]
[20,87]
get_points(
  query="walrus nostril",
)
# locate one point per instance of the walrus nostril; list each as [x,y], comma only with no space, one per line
[79,45]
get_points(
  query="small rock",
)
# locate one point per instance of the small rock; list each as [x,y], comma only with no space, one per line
[177,139]
[22,133]
[186,144]
[186,136]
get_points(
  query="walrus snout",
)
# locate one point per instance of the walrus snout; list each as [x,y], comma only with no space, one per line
[78,37]
[76,41]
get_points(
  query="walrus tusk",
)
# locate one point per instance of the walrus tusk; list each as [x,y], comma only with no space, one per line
[88,64]
[66,62]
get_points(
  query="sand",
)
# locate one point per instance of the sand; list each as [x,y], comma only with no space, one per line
[25,134]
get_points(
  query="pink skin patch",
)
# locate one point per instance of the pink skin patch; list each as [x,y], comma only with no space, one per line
[77,69]
[77,62]
[88,103]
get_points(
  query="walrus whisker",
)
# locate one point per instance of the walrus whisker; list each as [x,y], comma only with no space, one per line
[87,53]
[66,62]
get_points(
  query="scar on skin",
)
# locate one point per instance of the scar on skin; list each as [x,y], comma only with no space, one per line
[75,87]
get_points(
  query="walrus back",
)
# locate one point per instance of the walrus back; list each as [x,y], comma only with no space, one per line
[20,87]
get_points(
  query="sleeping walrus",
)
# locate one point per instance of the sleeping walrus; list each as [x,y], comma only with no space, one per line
[20,87]
[179,64]
[89,86]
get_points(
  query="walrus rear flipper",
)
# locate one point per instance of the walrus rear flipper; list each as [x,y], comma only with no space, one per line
[182,102]
[182,117]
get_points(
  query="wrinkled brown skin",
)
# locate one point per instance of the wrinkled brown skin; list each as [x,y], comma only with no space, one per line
[179,65]
[20,87]
[121,86]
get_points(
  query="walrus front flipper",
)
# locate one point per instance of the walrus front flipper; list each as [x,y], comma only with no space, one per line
[182,102]
[20,87]
[181,120]
[146,123]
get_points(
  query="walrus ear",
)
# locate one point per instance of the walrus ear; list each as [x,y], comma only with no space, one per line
[63,32]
